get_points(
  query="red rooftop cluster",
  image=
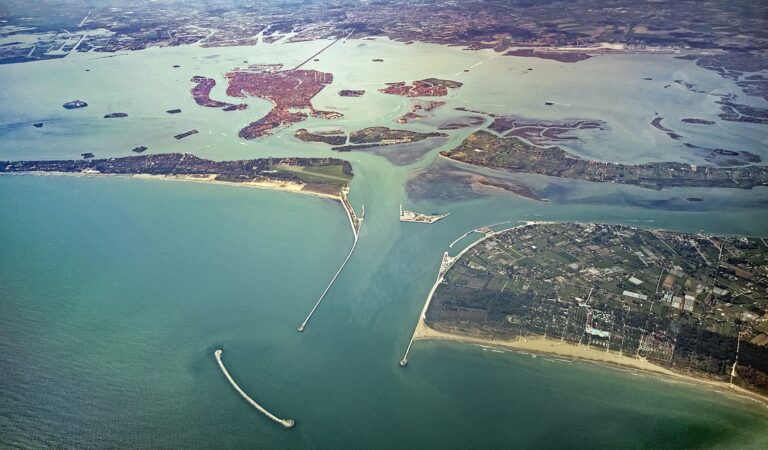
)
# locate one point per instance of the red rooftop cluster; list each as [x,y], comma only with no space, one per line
[202,94]
[288,90]
[430,87]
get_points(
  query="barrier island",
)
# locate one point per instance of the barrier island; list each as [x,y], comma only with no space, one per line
[486,149]
[326,177]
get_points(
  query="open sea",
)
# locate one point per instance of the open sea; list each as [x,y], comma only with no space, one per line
[115,292]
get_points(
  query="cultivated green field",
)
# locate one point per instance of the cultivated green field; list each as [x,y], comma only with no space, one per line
[318,174]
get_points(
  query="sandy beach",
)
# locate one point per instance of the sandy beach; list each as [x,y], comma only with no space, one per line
[548,346]
[278,185]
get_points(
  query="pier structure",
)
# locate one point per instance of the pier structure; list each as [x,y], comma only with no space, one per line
[355,222]
[482,230]
[287,423]
[445,264]
[322,50]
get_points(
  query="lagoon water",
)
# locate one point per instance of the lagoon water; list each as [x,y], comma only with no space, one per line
[116,291]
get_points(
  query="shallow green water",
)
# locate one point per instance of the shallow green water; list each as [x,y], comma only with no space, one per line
[116,291]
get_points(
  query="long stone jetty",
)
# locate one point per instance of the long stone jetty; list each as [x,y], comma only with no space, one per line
[445,264]
[355,222]
[287,423]
[321,51]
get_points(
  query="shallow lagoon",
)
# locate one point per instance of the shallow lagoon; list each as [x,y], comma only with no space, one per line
[117,291]
[145,84]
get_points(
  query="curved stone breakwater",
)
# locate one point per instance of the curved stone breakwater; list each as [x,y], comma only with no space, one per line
[287,423]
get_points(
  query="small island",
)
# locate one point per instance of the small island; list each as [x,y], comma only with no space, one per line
[429,87]
[417,110]
[560,56]
[75,104]
[366,138]
[697,121]
[201,92]
[351,92]
[185,134]
[656,123]
[330,137]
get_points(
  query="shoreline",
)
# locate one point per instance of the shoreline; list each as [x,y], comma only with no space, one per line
[542,345]
[445,264]
[275,185]
[355,222]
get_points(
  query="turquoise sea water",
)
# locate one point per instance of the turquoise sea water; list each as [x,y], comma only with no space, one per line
[114,292]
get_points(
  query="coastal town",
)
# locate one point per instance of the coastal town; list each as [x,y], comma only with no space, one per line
[695,304]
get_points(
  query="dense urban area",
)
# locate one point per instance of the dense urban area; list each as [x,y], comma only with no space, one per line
[726,37]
